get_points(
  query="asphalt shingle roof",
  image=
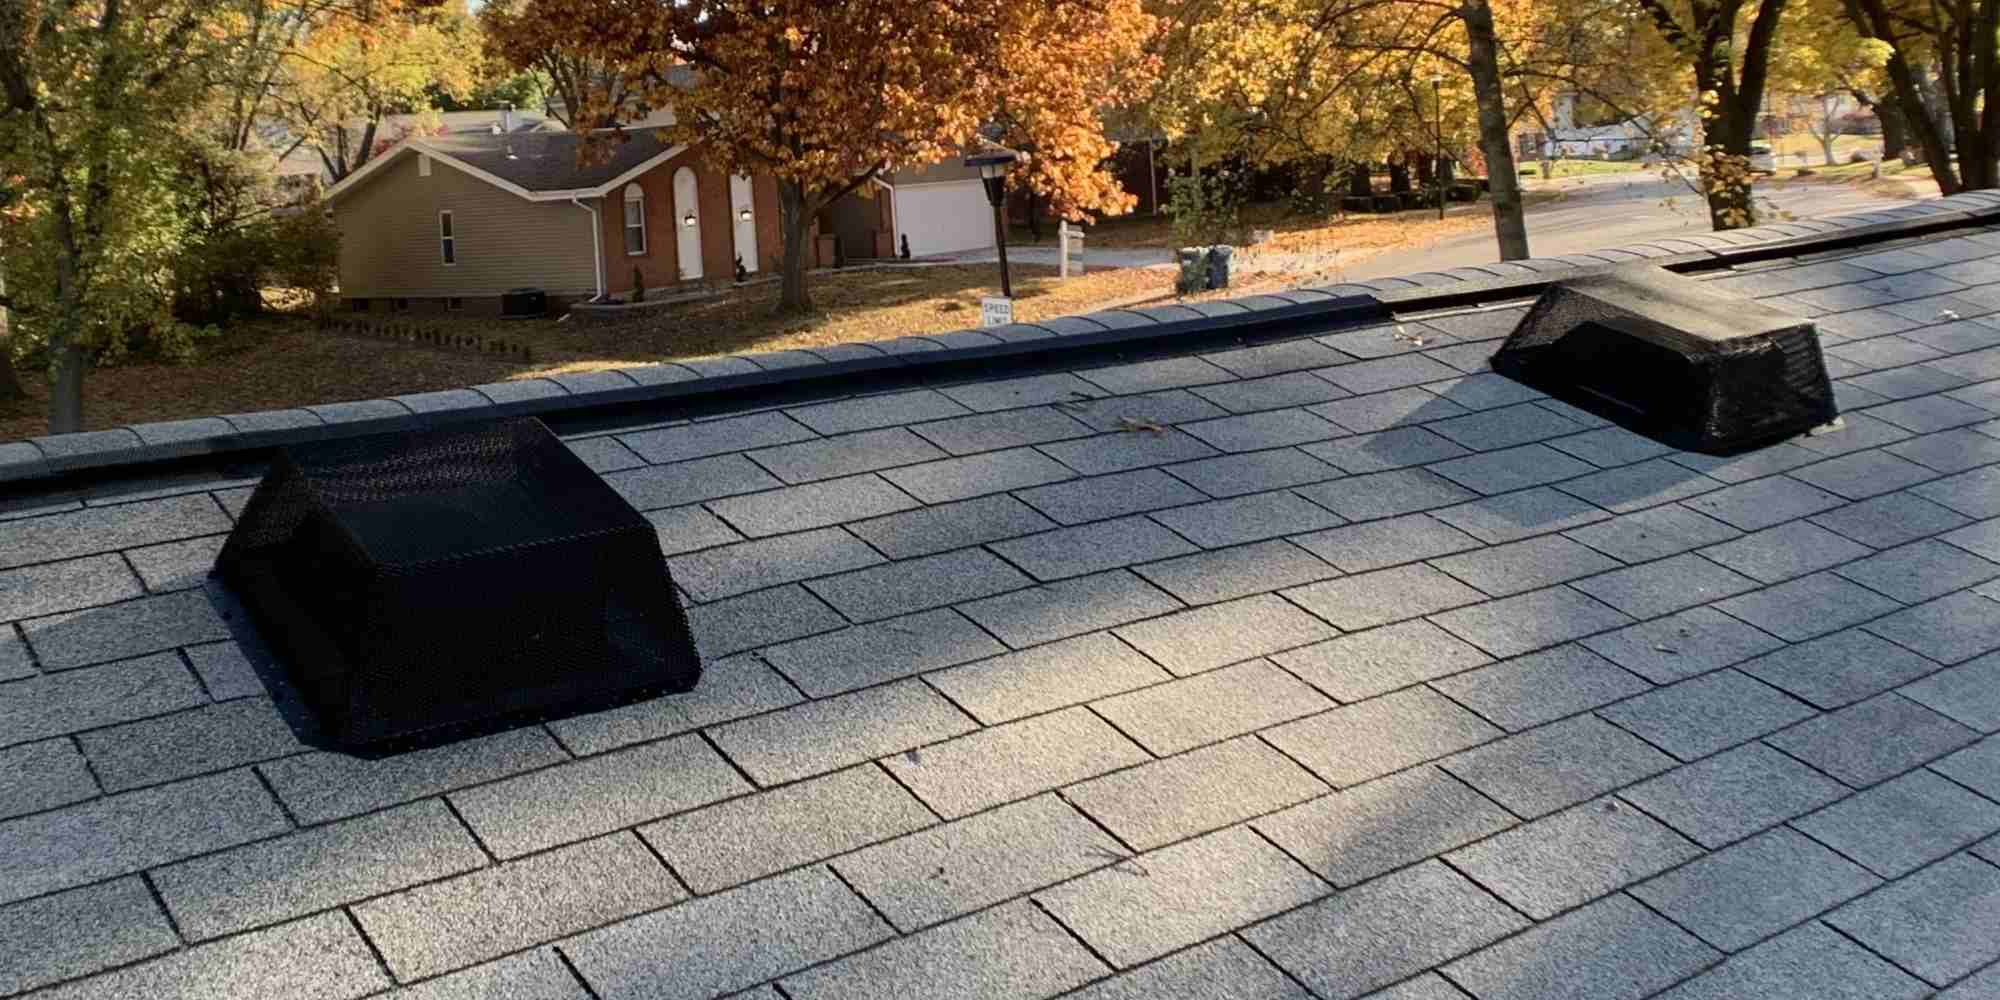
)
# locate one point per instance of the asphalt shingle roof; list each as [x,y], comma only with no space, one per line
[550,161]
[1371,671]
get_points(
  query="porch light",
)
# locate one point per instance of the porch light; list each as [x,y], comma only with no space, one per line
[744,215]
[688,221]
[992,164]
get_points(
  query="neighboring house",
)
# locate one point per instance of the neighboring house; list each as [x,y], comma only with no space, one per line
[304,160]
[454,221]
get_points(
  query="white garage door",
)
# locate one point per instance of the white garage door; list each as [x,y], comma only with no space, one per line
[944,218]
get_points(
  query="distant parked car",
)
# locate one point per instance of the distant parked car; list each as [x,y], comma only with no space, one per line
[1762,159]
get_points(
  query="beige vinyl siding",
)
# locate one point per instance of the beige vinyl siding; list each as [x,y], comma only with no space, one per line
[389,239]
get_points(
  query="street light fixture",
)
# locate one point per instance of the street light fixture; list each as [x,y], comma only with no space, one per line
[992,164]
[1437,162]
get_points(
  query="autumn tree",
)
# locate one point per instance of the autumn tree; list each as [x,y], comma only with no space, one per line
[1956,41]
[1728,45]
[825,97]
[347,73]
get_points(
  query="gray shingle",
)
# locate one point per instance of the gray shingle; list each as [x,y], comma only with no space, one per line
[1222,969]
[54,587]
[1515,625]
[321,786]
[1974,494]
[1808,606]
[1920,571]
[1754,464]
[730,689]
[1386,373]
[1505,518]
[1924,414]
[1009,951]
[209,738]
[1166,800]
[686,529]
[1008,429]
[1982,538]
[15,663]
[870,654]
[1540,687]
[950,526]
[55,704]
[735,624]
[1354,743]
[1733,794]
[846,455]
[1093,547]
[1613,949]
[1764,502]
[1061,673]
[1950,451]
[1268,429]
[605,454]
[1110,496]
[1224,574]
[315,869]
[1384,931]
[1865,474]
[107,529]
[1383,410]
[1610,446]
[867,412]
[1171,407]
[38,776]
[1510,469]
[1374,544]
[1385,450]
[457,922]
[815,505]
[1068,607]
[596,795]
[1275,392]
[126,833]
[1948,630]
[1365,600]
[1354,667]
[1982,985]
[714,437]
[1170,718]
[732,842]
[1871,740]
[1282,356]
[1736,897]
[932,876]
[1794,548]
[1252,472]
[1969,693]
[1565,859]
[318,957]
[1546,769]
[1839,669]
[1190,891]
[1508,426]
[1369,829]
[1132,448]
[1903,824]
[176,565]
[1694,718]
[537,974]
[736,569]
[1810,963]
[1484,391]
[79,932]
[114,631]
[915,584]
[1500,570]
[1386,494]
[1149,376]
[1937,923]
[1693,642]
[1637,487]
[690,482]
[1007,394]
[1217,634]
[830,733]
[1013,761]
[991,472]
[1251,518]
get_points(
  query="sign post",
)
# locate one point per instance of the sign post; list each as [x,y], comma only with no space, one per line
[1069,240]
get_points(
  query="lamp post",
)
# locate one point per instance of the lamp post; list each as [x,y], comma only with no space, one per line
[992,165]
[1437,162]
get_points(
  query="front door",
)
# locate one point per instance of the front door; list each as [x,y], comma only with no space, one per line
[687,225]
[743,215]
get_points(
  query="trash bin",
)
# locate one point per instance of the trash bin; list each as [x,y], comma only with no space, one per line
[1218,266]
[1194,271]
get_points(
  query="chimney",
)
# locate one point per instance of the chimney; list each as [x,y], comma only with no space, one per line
[507,118]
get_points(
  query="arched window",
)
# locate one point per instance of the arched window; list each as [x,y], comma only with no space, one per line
[635,219]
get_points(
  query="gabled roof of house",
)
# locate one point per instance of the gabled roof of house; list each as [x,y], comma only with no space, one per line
[538,166]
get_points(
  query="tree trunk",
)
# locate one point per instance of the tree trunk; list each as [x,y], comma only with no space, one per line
[1510,225]
[1399,176]
[1890,114]
[10,380]
[1826,145]
[792,218]
[66,387]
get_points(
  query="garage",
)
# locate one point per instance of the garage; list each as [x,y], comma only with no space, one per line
[941,215]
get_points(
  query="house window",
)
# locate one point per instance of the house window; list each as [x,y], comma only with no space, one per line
[635,219]
[423,165]
[358,305]
[447,243]
[453,304]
